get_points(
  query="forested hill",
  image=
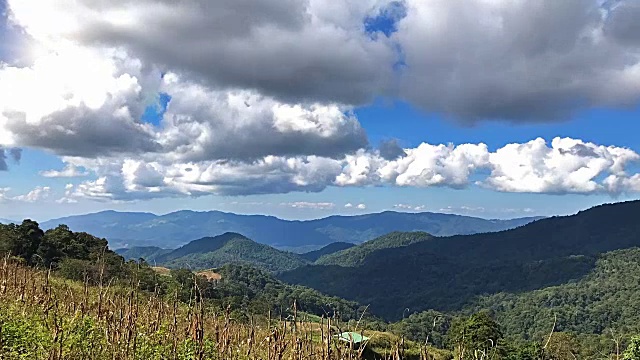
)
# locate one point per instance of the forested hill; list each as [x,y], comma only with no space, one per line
[326,250]
[229,248]
[355,256]
[125,230]
[446,273]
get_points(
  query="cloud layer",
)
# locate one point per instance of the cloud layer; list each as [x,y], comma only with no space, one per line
[562,166]
[470,59]
[261,93]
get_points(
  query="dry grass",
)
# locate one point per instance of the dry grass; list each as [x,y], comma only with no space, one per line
[161,270]
[210,275]
[44,317]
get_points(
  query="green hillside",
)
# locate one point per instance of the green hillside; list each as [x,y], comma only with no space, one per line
[326,250]
[230,248]
[449,273]
[354,256]
[607,298]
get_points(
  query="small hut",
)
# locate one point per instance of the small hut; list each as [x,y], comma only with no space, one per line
[351,337]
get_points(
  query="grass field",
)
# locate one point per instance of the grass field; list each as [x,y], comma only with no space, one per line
[46,317]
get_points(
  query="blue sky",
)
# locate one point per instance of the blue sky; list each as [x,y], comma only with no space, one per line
[129,122]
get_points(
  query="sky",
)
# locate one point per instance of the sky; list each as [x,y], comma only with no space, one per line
[307,108]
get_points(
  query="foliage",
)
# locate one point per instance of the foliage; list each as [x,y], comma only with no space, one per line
[427,326]
[606,298]
[633,349]
[476,334]
[562,346]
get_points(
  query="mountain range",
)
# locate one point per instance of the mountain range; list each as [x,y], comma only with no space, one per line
[419,271]
[228,248]
[131,229]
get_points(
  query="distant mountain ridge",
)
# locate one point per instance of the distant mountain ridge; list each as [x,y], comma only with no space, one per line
[129,229]
[148,253]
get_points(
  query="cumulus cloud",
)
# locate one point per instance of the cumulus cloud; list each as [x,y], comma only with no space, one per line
[261,100]
[76,102]
[3,194]
[203,124]
[568,166]
[69,171]
[37,194]
[519,60]
[564,166]
[290,49]
[469,59]
[391,150]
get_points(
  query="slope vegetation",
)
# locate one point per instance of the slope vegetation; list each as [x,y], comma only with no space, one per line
[326,250]
[448,273]
[230,248]
[355,256]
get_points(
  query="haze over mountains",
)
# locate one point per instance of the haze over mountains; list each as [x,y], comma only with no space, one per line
[129,229]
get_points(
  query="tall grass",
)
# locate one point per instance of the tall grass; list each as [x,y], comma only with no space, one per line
[46,317]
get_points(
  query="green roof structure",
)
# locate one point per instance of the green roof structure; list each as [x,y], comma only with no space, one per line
[350,336]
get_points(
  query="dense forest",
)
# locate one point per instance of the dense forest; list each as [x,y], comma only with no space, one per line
[450,273]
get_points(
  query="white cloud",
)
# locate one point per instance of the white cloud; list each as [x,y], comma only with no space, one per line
[361,206]
[89,103]
[237,44]
[68,195]
[244,119]
[436,165]
[348,205]
[472,59]
[38,194]
[409,207]
[3,194]
[68,171]
[203,124]
[310,205]
[568,166]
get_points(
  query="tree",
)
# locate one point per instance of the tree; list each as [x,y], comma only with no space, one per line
[562,346]
[633,350]
[475,337]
